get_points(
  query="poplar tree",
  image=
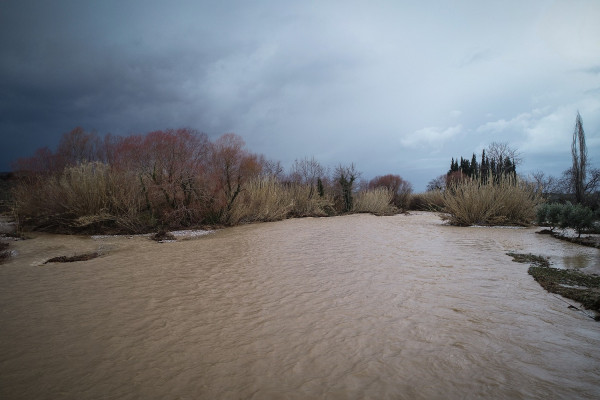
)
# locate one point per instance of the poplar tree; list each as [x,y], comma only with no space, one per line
[579,153]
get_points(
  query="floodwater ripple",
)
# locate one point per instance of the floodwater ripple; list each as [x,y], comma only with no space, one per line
[359,306]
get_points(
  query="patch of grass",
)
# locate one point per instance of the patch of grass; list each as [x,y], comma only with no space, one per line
[79,257]
[569,283]
[530,258]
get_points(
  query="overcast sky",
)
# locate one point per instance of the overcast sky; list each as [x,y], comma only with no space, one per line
[394,86]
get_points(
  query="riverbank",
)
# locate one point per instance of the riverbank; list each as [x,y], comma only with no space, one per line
[572,284]
[589,240]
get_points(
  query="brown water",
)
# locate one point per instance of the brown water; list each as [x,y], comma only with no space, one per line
[349,307]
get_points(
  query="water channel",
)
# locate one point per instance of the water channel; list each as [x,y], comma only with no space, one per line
[350,307]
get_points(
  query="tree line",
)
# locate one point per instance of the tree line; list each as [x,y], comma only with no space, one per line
[578,184]
[489,168]
[178,178]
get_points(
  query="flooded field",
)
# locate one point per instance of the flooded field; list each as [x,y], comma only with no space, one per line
[349,307]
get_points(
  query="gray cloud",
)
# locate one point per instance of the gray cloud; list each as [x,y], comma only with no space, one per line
[385,85]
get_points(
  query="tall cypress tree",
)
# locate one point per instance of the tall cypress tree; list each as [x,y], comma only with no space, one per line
[474,167]
[484,169]
[579,153]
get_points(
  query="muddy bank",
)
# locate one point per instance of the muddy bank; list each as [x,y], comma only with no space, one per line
[572,284]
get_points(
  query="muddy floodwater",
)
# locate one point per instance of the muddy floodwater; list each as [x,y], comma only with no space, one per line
[352,307]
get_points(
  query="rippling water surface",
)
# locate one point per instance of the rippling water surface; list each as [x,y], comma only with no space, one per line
[351,307]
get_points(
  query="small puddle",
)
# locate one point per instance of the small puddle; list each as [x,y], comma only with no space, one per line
[577,261]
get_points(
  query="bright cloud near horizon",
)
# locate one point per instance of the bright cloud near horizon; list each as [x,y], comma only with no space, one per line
[395,87]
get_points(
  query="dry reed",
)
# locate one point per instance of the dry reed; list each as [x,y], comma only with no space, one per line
[262,199]
[82,196]
[505,202]
[267,199]
[432,200]
[376,201]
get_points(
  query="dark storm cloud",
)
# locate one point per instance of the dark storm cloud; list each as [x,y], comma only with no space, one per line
[386,85]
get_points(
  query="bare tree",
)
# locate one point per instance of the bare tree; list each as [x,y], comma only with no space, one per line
[579,153]
[78,146]
[502,151]
[307,172]
[438,183]
[593,183]
[271,168]
[544,183]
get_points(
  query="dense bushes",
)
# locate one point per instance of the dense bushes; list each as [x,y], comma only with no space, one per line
[577,217]
[175,178]
[82,197]
[505,201]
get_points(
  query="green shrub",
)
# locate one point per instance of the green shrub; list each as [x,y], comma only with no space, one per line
[579,218]
[549,215]
[541,214]
[553,215]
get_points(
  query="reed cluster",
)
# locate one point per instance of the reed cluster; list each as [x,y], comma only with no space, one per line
[83,196]
[267,199]
[376,201]
[92,197]
[432,200]
[502,201]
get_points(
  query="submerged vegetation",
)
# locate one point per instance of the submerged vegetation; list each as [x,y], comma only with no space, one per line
[530,258]
[75,258]
[569,283]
